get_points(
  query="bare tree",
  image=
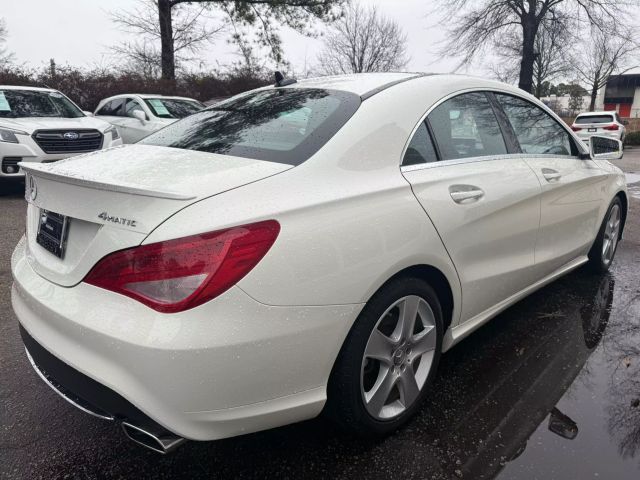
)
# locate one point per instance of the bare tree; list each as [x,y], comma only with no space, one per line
[5,56]
[189,33]
[602,55]
[552,54]
[362,40]
[161,20]
[477,24]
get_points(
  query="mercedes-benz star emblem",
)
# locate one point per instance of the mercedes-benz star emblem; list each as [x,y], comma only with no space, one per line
[33,188]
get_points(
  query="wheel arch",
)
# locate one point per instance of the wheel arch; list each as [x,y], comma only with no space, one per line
[437,280]
[625,206]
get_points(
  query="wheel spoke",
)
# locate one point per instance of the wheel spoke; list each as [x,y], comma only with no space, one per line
[409,389]
[380,347]
[424,342]
[378,395]
[605,248]
[408,316]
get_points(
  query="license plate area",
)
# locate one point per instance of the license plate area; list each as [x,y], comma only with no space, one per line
[52,232]
[592,129]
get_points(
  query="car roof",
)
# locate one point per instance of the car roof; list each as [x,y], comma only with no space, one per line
[35,89]
[368,84]
[359,83]
[589,114]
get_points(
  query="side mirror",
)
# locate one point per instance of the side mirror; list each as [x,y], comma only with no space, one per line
[87,113]
[625,122]
[604,148]
[140,115]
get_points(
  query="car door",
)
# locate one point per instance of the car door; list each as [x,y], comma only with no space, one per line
[573,188]
[483,201]
[133,128]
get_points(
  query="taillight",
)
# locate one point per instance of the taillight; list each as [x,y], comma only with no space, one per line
[575,129]
[179,274]
[612,127]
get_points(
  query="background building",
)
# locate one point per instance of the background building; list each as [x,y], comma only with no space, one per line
[622,94]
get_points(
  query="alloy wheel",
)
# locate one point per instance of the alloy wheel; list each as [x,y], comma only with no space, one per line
[611,234]
[398,357]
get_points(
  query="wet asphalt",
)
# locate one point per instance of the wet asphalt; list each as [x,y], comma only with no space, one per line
[550,389]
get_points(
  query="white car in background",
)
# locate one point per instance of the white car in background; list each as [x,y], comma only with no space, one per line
[43,125]
[138,115]
[313,245]
[604,124]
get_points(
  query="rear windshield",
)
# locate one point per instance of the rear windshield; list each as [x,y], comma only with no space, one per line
[33,103]
[595,119]
[173,107]
[282,125]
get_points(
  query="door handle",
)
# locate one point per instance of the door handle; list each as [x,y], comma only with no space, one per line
[551,175]
[465,193]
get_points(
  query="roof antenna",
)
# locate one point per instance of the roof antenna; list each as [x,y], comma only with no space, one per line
[281,81]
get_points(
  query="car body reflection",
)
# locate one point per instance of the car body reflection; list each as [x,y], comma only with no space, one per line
[514,382]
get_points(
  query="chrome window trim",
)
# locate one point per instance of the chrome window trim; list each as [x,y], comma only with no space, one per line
[577,140]
[485,158]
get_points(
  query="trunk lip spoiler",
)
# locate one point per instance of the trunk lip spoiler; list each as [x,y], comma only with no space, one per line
[40,170]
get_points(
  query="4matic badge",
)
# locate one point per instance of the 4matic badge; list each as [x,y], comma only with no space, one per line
[119,220]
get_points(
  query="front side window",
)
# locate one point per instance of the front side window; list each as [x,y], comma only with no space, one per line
[33,103]
[131,106]
[420,149]
[285,125]
[536,130]
[173,107]
[466,126]
[112,108]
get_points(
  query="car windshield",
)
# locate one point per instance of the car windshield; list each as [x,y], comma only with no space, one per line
[173,107]
[595,119]
[282,125]
[33,103]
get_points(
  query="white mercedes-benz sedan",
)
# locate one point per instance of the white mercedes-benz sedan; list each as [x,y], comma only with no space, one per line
[306,247]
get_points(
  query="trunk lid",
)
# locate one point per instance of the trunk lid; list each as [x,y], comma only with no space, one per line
[114,198]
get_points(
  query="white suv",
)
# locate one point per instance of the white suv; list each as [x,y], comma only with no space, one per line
[43,125]
[138,115]
[603,124]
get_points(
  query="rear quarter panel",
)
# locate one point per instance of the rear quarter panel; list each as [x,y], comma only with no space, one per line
[349,219]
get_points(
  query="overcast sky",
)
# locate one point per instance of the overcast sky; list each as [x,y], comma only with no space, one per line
[80,32]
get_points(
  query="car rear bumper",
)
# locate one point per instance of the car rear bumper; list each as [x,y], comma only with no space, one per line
[585,136]
[228,367]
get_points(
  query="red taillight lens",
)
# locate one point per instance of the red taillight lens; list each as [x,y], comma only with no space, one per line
[180,274]
[575,129]
[612,127]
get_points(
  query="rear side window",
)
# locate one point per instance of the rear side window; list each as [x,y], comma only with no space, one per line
[420,149]
[466,126]
[285,125]
[112,108]
[594,119]
[536,130]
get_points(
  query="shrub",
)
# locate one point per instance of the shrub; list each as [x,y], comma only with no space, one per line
[88,87]
[632,138]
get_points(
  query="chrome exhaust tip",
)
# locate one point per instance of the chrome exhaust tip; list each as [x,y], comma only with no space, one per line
[163,443]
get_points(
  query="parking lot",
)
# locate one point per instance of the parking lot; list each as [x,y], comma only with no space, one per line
[549,389]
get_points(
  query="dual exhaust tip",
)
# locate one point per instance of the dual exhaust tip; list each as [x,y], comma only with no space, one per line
[160,442]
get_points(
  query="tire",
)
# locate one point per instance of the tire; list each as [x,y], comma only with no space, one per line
[355,374]
[604,248]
